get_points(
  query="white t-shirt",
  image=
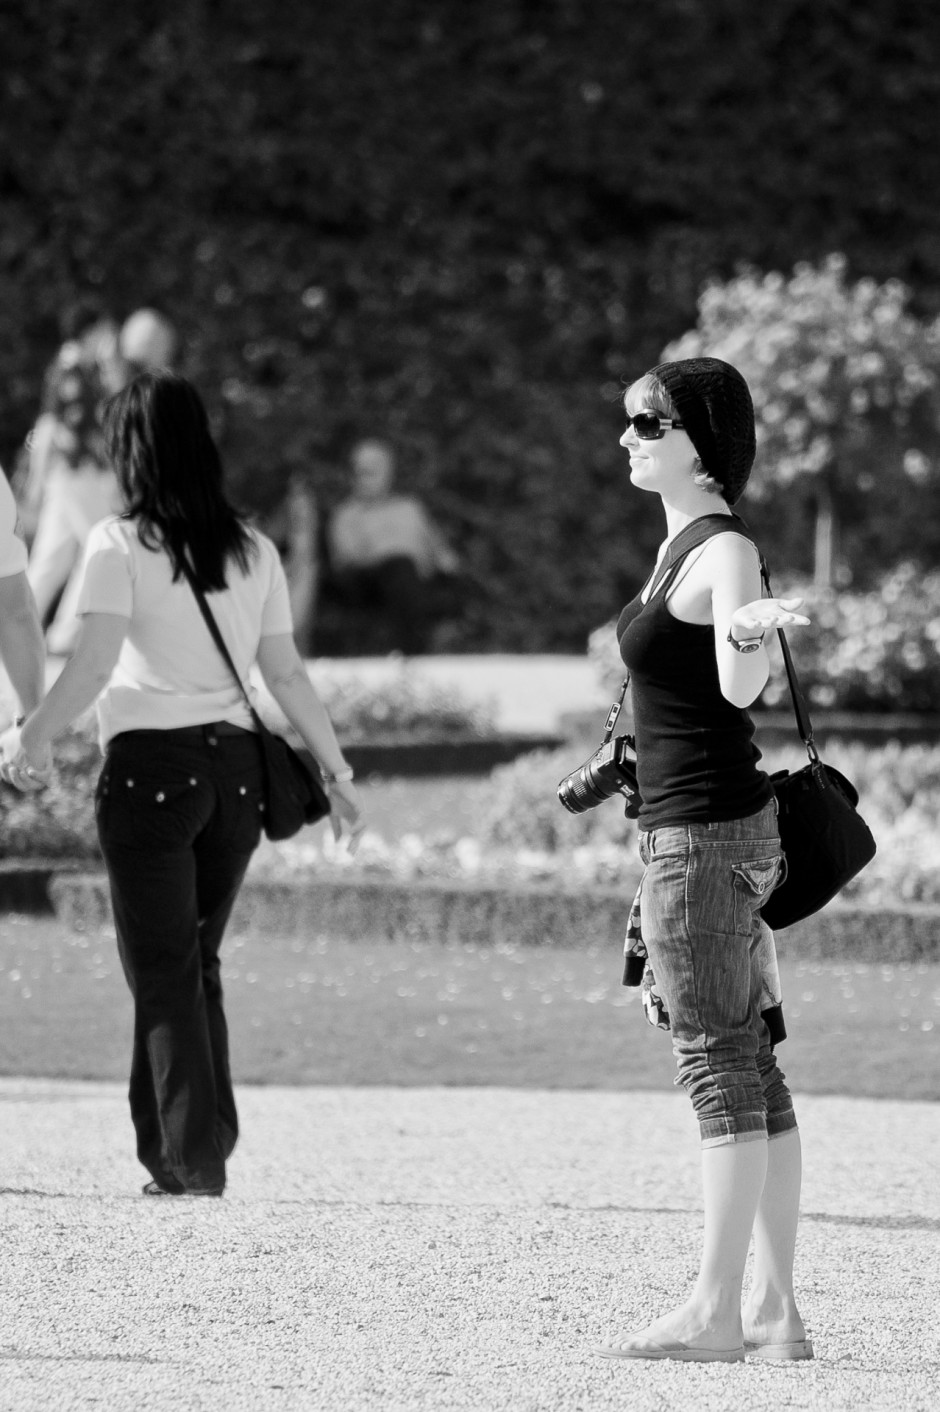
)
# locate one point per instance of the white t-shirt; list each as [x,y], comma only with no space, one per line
[13,554]
[365,532]
[170,672]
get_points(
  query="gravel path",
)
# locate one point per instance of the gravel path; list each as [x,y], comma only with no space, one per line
[441,1248]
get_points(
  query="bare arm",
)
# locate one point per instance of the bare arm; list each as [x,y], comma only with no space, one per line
[41,452]
[737,608]
[286,678]
[26,752]
[443,557]
[21,644]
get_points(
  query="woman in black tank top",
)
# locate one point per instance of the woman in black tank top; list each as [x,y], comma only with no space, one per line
[693,642]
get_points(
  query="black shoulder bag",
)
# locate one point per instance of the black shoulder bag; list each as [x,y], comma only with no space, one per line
[293,791]
[825,840]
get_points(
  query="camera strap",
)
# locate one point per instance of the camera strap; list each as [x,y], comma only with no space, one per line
[615,710]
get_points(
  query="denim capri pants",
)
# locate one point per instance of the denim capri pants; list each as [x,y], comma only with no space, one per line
[703,889]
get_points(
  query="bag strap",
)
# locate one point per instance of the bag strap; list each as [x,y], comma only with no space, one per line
[803,723]
[694,534]
[218,639]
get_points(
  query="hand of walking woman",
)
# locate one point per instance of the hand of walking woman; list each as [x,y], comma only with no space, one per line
[20,769]
[346,817]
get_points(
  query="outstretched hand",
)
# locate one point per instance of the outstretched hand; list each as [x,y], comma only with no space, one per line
[26,772]
[766,613]
[346,815]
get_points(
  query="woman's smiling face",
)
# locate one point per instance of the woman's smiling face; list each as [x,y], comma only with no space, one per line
[662,464]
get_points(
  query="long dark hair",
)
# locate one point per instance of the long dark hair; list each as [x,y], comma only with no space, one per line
[168,466]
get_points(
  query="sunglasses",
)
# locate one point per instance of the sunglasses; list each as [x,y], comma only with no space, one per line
[650,426]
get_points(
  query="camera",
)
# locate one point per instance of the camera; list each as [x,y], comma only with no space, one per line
[611,770]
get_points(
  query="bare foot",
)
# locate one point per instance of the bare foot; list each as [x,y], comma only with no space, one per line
[697,1326]
[776,1324]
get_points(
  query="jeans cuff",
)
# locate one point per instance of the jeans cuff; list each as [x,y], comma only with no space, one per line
[752,1135]
[780,1123]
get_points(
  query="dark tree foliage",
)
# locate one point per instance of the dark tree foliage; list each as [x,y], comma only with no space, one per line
[458,225]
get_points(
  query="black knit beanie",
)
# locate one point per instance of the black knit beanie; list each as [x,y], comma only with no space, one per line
[715,407]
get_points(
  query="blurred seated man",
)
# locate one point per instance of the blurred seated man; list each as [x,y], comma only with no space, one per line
[384,550]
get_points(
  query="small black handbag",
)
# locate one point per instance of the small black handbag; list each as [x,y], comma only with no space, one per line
[293,790]
[825,840]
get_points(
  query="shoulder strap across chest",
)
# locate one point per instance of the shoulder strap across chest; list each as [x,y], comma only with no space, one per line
[704,528]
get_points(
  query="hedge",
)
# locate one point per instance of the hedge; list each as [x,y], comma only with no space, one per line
[425,912]
[457,225]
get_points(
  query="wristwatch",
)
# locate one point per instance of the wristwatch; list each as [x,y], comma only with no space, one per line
[746,644]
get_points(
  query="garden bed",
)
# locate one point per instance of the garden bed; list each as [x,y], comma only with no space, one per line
[422,910]
[778,727]
[468,755]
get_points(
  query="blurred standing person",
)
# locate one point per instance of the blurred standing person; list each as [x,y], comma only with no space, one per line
[385,550]
[179,798]
[80,487]
[69,485]
[21,645]
[693,641]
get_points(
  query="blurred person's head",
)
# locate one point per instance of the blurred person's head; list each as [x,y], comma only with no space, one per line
[147,341]
[79,317]
[159,441]
[373,468]
[89,336]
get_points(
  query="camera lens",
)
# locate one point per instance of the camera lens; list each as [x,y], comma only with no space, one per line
[583,790]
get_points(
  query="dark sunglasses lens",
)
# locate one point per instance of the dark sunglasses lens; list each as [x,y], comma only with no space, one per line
[648,426]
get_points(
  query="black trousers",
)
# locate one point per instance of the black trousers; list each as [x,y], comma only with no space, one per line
[179,816]
[396,589]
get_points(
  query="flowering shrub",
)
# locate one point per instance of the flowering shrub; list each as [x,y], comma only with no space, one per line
[524,835]
[827,363]
[402,707]
[846,388]
[874,651]
[60,821]
[877,651]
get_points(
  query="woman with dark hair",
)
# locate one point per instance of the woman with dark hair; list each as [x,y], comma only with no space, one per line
[693,640]
[179,797]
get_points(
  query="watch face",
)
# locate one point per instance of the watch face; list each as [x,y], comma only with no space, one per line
[746,644]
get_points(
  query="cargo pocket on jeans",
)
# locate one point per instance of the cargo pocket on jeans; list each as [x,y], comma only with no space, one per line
[753,883]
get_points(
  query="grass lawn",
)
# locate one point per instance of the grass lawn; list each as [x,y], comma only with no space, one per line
[323,1012]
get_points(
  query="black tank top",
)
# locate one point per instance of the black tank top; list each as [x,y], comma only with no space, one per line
[696,760]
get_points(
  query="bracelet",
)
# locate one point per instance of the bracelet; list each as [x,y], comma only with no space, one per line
[342,776]
[746,644]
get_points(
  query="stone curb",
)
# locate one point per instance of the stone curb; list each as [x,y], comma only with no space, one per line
[427,911]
